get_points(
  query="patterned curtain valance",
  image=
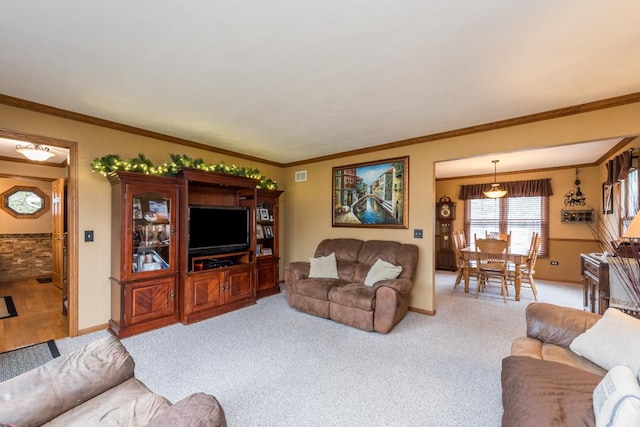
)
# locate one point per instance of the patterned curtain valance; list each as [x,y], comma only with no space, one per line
[530,188]
[618,167]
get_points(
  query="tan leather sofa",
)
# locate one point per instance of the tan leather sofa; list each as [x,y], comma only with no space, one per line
[95,385]
[544,383]
[346,299]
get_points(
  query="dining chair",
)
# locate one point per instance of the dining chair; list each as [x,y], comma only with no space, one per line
[492,262]
[459,242]
[497,235]
[527,270]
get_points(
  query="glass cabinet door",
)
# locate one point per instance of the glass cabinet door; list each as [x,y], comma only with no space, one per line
[151,232]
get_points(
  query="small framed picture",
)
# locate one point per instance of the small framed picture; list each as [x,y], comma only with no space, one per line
[264,214]
[268,231]
[267,251]
[259,232]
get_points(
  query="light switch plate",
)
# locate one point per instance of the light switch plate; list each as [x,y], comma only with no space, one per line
[417,233]
[88,235]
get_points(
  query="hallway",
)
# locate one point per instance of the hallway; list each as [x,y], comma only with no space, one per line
[40,318]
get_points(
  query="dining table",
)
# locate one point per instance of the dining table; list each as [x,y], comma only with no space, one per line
[518,258]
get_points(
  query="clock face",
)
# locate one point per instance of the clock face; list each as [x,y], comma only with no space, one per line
[445,211]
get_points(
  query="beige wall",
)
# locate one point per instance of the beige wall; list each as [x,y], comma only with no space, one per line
[306,207]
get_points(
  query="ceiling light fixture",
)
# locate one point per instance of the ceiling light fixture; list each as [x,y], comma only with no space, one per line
[495,192]
[36,152]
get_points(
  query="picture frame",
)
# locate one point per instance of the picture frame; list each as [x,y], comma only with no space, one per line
[267,251]
[264,214]
[259,231]
[268,231]
[607,199]
[371,194]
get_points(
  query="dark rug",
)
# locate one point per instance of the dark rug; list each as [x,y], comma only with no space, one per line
[44,279]
[21,360]
[7,308]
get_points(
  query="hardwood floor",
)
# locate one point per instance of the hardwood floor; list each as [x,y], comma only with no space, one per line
[40,318]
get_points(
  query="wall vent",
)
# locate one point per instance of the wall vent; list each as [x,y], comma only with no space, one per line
[301,176]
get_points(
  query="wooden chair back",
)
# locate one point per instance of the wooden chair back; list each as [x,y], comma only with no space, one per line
[492,255]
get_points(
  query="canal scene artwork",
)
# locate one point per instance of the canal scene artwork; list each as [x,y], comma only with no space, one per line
[371,194]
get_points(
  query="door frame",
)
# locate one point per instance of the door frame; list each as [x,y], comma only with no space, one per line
[72,212]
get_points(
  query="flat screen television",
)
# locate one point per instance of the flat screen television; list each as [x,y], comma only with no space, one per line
[218,229]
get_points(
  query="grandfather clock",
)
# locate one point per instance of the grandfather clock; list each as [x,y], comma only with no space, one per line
[445,213]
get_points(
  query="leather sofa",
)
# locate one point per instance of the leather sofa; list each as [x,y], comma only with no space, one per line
[95,385]
[346,299]
[544,383]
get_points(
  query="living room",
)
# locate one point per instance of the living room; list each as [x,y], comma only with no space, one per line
[305,207]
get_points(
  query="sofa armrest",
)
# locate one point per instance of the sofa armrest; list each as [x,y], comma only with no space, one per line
[196,410]
[402,286]
[39,395]
[297,270]
[557,325]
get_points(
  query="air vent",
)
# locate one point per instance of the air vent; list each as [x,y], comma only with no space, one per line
[301,176]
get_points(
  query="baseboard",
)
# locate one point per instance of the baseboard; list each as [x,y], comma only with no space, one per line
[93,329]
[421,311]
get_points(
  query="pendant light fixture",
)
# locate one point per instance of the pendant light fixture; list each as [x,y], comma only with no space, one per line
[495,192]
[36,152]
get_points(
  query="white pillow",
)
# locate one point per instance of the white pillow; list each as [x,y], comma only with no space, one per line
[382,270]
[324,267]
[613,340]
[616,400]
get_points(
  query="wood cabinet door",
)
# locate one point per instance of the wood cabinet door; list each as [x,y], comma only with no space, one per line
[267,272]
[149,300]
[239,284]
[204,291]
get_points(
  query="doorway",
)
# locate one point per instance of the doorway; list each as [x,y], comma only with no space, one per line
[66,271]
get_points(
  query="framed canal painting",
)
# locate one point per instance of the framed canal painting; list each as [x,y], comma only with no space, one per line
[371,194]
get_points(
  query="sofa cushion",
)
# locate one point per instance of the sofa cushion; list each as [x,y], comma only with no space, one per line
[542,393]
[616,400]
[611,341]
[354,295]
[130,403]
[65,382]
[382,270]
[555,324]
[323,267]
[346,250]
[531,347]
[315,288]
[196,410]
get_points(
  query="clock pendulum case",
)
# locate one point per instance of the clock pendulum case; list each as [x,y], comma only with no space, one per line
[445,213]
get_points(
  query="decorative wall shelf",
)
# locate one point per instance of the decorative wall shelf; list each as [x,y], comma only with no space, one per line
[576,216]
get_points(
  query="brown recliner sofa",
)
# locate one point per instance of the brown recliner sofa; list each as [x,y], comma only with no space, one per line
[544,383]
[346,299]
[95,385]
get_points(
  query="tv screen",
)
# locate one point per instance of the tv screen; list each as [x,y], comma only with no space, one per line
[218,229]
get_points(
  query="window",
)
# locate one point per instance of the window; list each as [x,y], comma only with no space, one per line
[520,216]
[628,199]
[25,202]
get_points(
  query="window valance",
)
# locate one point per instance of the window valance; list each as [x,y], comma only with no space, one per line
[618,167]
[529,188]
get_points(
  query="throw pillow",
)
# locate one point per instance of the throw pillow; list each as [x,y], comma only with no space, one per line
[616,400]
[382,270]
[611,341]
[324,267]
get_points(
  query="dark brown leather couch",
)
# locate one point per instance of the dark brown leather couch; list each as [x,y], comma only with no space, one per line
[544,383]
[95,385]
[346,299]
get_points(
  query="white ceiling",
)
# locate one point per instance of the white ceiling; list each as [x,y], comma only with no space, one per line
[293,80]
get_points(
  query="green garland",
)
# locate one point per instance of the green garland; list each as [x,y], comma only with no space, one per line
[113,162]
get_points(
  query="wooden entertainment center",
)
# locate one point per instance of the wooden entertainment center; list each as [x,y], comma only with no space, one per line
[155,279]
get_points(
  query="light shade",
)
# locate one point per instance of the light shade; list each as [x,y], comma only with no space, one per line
[633,230]
[35,152]
[495,192]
